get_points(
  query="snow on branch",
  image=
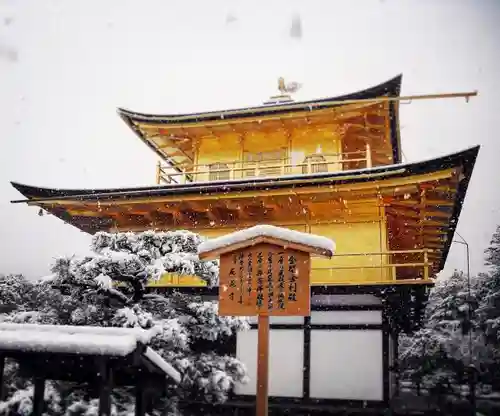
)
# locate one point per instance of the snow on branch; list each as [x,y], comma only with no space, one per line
[134,259]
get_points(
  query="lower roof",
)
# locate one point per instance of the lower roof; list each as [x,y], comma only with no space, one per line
[64,203]
[465,158]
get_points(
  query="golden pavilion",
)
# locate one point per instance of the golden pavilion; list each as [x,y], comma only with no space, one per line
[331,167]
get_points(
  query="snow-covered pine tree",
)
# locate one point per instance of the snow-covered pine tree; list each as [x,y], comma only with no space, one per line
[489,309]
[14,291]
[437,354]
[193,337]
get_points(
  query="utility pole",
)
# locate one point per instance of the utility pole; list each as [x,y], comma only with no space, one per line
[471,371]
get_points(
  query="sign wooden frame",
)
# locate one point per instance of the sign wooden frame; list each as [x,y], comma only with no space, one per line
[264,276]
[264,279]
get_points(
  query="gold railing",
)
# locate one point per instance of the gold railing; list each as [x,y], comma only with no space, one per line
[238,169]
[376,267]
[388,266]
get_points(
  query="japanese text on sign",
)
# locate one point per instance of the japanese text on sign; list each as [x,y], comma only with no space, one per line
[264,279]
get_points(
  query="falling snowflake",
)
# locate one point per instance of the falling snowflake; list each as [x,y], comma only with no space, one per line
[296,28]
[230,18]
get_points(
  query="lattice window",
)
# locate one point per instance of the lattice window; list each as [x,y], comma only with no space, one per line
[219,172]
[317,162]
[269,163]
[265,157]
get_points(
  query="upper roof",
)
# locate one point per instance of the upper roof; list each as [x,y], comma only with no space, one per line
[173,136]
[390,88]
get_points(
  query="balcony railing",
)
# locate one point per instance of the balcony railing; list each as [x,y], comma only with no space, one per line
[349,268]
[379,267]
[237,169]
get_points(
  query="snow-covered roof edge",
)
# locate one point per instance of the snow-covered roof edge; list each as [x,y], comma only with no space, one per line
[390,87]
[140,335]
[157,360]
[65,342]
[318,242]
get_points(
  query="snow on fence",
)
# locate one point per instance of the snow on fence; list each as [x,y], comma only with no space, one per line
[85,340]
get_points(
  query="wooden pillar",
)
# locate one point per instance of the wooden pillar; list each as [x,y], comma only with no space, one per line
[158,173]
[386,377]
[2,369]
[306,371]
[141,398]
[140,408]
[396,360]
[426,265]
[105,386]
[262,365]
[241,155]
[368,155]
[38,394]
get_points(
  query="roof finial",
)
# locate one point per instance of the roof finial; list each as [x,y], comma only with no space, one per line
[291,87]
[285,90]
[281,85]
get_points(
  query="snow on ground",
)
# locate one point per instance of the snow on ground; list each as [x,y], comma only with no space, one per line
[264,230]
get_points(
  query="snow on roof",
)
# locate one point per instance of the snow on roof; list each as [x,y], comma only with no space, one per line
[316,241]
[63,342]
[72,339]
[84,340]
[156,359]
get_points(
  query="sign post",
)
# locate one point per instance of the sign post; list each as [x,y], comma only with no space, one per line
[264,272]
[262,365]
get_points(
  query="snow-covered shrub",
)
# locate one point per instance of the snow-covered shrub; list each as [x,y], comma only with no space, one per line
[84,291]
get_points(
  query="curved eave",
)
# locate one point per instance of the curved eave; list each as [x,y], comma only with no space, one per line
[465,158]
[391,87]
[55,200]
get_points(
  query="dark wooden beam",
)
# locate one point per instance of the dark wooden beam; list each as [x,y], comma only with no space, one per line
[39,391]
[2,369]
[210,210]
[434,231]
[425,223]
[105,386]
[391,206]
[160,218]
[435,239]
[140,398]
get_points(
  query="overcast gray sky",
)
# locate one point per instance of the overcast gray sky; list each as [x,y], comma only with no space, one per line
[66,65]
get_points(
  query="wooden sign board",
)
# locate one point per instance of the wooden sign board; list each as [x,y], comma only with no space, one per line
[264,279]
[264,271]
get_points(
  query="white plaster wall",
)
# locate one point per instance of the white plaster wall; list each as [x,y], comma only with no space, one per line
[286,361]
[346,317]
[346,364]
[318,300]
[290,320]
